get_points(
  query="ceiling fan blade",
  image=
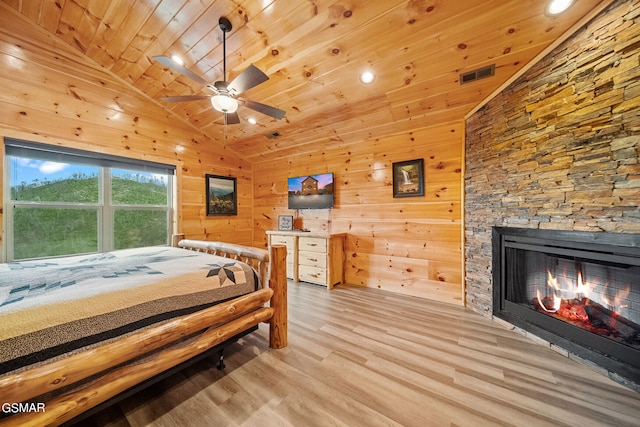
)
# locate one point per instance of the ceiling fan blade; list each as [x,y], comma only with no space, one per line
[231,118]
[268,110]
[184,98]
[165,60]
[247,79]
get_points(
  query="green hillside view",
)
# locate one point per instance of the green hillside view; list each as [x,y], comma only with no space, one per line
[41,232]
[85,190]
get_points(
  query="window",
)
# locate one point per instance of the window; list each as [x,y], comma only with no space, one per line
[64,201]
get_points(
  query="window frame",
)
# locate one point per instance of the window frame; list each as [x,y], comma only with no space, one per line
[106,209]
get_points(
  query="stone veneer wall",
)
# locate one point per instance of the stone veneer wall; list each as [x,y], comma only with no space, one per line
[560,147]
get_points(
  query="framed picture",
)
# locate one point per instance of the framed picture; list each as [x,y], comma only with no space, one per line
[285,222]
[222,195]
[408,178]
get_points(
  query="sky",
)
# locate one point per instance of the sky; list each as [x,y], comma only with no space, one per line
[28,170]
[223,186]
[323,179]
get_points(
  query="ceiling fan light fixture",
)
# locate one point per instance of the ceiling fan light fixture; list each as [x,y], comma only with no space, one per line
[175,58]
[224,103]
[223,92]
[554,7]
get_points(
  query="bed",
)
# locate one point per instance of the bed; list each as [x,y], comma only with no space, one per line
[76,332]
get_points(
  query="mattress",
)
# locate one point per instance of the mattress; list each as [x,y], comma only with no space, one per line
[52,308]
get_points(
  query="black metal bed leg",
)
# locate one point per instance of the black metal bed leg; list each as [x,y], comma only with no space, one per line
[221,364]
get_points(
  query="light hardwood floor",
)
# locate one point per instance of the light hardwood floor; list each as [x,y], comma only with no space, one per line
[366,357]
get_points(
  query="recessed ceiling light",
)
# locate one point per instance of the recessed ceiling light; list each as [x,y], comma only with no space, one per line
[252,120]
[558,6]
[367,77]
[177,59]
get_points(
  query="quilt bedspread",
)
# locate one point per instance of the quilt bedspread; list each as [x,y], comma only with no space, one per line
[52,307]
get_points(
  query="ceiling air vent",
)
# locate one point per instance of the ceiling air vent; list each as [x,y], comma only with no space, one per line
[273,135]
[478,74]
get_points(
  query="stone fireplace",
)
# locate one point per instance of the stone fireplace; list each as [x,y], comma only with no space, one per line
[558,151]
[577,290]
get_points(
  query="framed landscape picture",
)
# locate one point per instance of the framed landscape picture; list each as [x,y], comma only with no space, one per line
[222,195]
[408,178]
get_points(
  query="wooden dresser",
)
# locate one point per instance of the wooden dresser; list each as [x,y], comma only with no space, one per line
[312,257]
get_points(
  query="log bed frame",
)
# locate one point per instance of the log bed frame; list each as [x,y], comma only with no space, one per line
[119,365]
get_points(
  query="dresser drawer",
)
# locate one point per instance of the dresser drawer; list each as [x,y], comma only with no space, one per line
[291,272]
[312,274]
[312,259]
[313,244]
[289,241]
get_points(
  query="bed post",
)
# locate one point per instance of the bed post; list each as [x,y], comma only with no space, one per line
[278,282]
[175,238]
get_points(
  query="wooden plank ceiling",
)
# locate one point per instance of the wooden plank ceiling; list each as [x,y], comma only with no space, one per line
[313,51]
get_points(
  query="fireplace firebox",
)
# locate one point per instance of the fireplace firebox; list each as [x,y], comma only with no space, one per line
[577,290]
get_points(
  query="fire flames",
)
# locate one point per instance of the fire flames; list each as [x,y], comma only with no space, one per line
[589,305]
[580,290]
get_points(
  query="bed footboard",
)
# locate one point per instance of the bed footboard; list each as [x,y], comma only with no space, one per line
[272,270]
[117,366]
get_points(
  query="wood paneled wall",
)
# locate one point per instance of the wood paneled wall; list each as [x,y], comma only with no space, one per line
[52,94]
[408,245]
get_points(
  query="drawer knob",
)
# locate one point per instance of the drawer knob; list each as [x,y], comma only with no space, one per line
[313,259]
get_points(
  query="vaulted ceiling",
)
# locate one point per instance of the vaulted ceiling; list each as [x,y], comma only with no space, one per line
[313,51]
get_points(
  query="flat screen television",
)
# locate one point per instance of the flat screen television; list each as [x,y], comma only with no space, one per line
[311,191]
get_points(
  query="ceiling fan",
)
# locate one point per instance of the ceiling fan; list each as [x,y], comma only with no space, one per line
[224,98]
